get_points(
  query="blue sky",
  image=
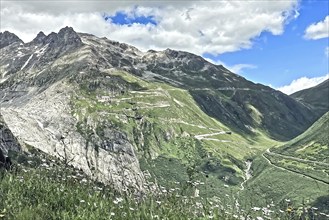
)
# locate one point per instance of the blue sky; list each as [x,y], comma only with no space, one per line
[280,59]
[121,18]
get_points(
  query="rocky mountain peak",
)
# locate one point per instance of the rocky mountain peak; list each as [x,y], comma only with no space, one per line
[66,36]
[7,38]
[39,38]
[67,31]
[69,35]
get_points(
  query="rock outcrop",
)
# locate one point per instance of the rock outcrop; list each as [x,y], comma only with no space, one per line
[8,142]
[7,38]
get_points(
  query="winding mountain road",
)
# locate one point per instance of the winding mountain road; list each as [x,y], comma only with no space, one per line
[292,171]
[296,158]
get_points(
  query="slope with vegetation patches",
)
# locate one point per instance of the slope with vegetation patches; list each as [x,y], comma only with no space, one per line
[316,97]
[114,111]
[297,170]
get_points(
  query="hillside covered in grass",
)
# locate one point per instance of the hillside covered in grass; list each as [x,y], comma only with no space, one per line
[316,97]
[313,144]
[40,187]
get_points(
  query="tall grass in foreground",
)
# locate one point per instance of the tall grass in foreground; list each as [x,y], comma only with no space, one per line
[59,193]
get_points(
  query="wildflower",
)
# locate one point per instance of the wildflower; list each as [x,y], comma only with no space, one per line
[112,214]
[159,202]
[82,201]
[198,204]
[132,209]
[118,200]
[255,208]
[196,193]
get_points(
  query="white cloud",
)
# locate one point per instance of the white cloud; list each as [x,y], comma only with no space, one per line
[318,30]
[195,26]
[238,68]
[302,83]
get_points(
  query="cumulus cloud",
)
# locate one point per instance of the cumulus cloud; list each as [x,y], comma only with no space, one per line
[318,30]
[302,83]
[238,68]
[196,26]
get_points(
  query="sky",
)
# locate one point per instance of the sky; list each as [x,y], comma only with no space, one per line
[283,44]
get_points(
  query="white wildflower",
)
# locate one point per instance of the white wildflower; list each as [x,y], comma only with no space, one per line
[255,208]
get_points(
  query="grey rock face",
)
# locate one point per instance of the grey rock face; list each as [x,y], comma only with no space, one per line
[46,123]
[8,142]
[7,38]
[37,81]
[39,39]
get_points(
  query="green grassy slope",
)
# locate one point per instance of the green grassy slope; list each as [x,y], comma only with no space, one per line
[316,97]
[232,99]
[313,144]
[174,138]
[165,123]
[297,169]
[282,187]
[40,187]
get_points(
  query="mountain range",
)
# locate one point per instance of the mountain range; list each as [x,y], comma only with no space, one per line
[127,117]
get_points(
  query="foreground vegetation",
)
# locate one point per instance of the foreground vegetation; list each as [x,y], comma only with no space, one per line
[46,189]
